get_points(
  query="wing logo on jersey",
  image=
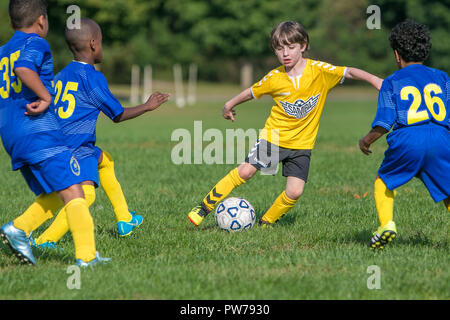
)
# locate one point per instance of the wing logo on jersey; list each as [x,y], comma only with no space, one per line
[300,108]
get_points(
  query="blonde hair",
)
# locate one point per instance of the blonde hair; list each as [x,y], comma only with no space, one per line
[289,32]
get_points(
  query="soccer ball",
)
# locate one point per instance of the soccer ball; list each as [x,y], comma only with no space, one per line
[235,214]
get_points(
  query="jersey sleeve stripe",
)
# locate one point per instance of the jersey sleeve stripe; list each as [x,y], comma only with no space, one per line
[343,76]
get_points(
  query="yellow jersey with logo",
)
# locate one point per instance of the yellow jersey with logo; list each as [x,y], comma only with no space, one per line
[294,119]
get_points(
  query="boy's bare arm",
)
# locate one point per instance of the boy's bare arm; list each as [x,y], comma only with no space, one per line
[228,111]
[153,102]
[31,79]
[371,137]
[358,74]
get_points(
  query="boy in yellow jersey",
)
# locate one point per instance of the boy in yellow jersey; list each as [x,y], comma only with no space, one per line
[299,88]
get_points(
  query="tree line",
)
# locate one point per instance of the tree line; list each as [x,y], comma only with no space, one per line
[221,36]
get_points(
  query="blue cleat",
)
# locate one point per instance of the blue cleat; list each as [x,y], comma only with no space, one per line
[98,259]
[18,241]
[126,228]
[44,246]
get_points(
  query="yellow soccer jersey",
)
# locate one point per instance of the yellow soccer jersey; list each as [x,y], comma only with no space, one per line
[294,119]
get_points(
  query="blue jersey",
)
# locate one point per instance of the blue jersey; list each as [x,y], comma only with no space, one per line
[414,95]
[81,93]
[27,139]
[415,102]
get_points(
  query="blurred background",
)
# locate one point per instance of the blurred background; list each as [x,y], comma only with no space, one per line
[223,36]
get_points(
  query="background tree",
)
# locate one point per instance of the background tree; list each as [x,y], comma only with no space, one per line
[221,36]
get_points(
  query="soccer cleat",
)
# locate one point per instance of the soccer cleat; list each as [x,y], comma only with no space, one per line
[96,260]
[264,224]
[126,228]
[44,246]
[383,236]
[197,214]
[18,241]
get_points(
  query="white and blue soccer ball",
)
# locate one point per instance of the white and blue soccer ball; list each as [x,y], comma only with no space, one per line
[235,214]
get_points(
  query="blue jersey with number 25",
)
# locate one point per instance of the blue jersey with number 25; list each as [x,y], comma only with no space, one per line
[81,93]
[414,95]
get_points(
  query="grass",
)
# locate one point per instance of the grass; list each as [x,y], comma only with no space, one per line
[317,251]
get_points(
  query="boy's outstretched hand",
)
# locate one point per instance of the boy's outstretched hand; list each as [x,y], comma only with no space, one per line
[228,113]
[371,137]
[364,146]
[155,100]
[36,108]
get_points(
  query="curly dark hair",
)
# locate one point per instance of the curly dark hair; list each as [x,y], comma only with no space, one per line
[412,41]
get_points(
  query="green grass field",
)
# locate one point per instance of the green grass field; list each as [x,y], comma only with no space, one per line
[317,251]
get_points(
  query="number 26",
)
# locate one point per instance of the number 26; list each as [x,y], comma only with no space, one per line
[417,116]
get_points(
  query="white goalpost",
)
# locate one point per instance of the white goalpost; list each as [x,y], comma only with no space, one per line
[192,85]
[134,90]
[180,98]
[179,91]
[147,90]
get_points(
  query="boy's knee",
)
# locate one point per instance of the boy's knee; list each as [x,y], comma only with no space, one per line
[246,171]
[73,192]
[294,194]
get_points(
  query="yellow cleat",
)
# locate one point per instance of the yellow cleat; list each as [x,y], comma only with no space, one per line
[197,214]
[383,236]
[265,224]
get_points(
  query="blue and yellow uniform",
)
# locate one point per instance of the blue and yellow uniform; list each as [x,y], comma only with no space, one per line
[34,143]
[414,101]
[81,93]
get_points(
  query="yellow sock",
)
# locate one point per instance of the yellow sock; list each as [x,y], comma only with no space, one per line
[223,188]
[59,226]
[40,211]
[112,188]
[447,203]
[384,201]
[279,208]
[81,226]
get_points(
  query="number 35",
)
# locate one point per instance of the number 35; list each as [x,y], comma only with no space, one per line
[417,116]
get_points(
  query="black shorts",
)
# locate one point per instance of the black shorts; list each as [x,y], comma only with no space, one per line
[265,157]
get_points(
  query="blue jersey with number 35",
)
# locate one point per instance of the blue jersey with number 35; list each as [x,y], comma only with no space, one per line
[81,93]
[412,96]
[27,139]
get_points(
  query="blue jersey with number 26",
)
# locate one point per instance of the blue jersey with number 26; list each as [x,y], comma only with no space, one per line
[412,96]
[81,93]
[415,101]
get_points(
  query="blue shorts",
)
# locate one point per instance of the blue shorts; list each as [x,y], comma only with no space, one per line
[421,151]
[89,169]
[97,152]
[53,174]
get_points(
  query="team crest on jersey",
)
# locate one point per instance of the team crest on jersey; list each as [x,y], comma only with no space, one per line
[74,166]
[300,108]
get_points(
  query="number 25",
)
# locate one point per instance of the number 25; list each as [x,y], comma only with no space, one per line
[70,86]
[415,116]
